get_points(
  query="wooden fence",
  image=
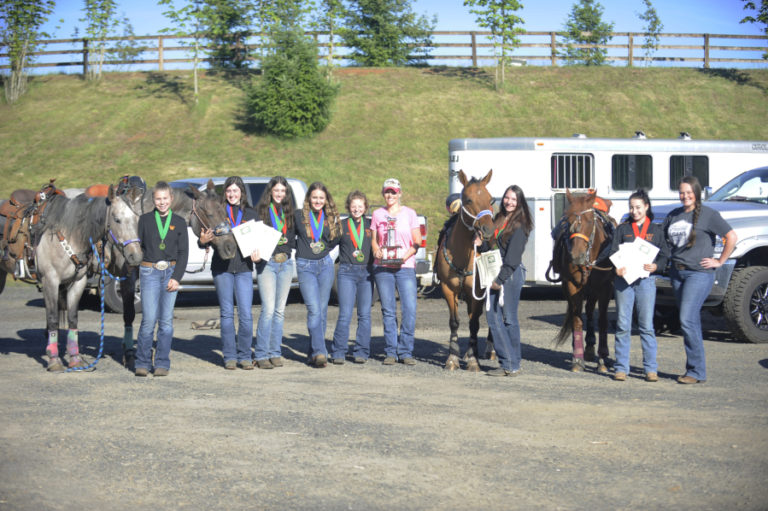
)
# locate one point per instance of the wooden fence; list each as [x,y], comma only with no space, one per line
[458,48]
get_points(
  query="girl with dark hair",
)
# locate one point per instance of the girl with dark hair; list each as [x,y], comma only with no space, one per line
[640,294]
[354,281]
[690,231]
[515,225]
[275,209]
[318,230]
[234,282]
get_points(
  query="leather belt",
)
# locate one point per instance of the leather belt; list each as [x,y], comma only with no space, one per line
[680,266]
[160,265]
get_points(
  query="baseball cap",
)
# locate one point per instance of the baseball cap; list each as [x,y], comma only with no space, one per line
[391,184]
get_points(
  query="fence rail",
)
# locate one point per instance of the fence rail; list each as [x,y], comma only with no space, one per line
[460,47]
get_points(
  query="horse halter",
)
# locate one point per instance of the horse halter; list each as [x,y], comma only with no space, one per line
[121,244]
[221,229]
[475,218]
[591,237]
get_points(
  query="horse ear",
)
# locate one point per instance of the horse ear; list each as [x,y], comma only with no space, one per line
[194,191]
[462,178]
[111,193]
[568,195]
[487,178]
[210,185]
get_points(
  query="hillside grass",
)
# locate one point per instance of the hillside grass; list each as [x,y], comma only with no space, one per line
[386,123]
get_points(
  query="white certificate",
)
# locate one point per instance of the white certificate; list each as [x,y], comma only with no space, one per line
[633,256]
[253,235]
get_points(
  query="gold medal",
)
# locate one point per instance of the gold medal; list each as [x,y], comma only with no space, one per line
[359,256]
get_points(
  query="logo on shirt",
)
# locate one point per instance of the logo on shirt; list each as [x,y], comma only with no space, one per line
[679,232]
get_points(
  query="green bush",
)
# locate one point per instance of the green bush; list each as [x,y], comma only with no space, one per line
[292,98]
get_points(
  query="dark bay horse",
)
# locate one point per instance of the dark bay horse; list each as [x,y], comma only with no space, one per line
[580,257]
[63,254]
[455,264]
[200,210]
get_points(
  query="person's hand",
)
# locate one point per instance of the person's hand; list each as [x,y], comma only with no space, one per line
[255,257]
[379,254]
[206,235]
[495,286]
[621,271]
[650,268]
[478,240]
[173,285]
[710,262]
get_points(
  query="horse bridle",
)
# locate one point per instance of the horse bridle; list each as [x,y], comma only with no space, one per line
[475,218]
[113,239]
[221,229]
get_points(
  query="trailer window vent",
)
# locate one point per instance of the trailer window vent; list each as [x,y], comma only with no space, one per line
[572,171]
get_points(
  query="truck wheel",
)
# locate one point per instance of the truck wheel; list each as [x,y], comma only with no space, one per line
[746,303]
[114,302]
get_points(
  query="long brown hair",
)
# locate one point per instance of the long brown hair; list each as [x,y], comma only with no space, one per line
[520,217]
[262,208]
[331,212]
[696,187]
[236,180]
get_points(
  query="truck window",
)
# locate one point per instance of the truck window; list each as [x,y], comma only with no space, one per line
[572,171]
[681,166]
[255,190]
[631,171]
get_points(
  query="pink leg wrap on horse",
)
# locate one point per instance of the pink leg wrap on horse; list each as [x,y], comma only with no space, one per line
[72,347]
[52,350]
[578,344]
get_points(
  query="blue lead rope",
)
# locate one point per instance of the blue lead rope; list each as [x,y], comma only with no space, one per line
[104,274]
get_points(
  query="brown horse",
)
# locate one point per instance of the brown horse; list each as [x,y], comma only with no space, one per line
[455,264]
[580,257]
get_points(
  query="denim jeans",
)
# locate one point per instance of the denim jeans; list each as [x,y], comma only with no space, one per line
[157,307]
[641,296]
[315,283]
[274,286]
[355,285]
[691,289]
[231,287]
[504,323]
[404,279]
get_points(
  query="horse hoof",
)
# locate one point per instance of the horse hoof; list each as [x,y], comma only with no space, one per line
[55,365]
[577,366]
[602,368]
[75,361]
[473,366]
[129,359]
[589,353]
[452,363]
[491,355]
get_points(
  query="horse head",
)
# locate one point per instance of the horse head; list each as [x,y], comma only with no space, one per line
[123,215]
[208,212]
[476,213]
[586,232]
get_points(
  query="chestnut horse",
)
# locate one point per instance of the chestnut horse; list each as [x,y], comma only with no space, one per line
[455,264]
[580,257]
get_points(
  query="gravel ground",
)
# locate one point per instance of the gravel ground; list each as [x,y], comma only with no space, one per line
[372,436]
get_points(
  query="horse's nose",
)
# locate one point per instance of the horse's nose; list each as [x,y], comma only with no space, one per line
[486,232]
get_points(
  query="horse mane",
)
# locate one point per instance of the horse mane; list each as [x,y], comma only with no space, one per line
[80,218]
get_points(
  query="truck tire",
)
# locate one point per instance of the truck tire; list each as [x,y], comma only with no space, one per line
[746,303]
[114,302]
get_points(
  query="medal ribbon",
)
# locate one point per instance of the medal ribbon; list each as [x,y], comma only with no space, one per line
[278,221]
[317,225]
[162,230]
[232,221]
[500,229]
[638,233]
[356,235]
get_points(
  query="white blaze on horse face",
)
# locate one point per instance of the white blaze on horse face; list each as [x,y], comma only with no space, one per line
[357,208]
[162,200]
[233,194]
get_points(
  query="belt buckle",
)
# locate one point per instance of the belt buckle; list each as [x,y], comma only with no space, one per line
[280,258]
[161,265]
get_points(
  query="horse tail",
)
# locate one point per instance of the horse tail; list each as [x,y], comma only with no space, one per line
[566,328]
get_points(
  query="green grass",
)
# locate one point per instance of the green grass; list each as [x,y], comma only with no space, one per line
[386,123]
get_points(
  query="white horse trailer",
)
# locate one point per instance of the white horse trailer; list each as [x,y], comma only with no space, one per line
[545,167]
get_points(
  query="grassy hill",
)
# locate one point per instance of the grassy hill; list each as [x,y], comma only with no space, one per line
[387,122]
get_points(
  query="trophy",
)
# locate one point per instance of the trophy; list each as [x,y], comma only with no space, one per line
[392,250]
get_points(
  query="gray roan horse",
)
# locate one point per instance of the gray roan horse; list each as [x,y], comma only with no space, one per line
[63,254]
[200,210]
[455,260]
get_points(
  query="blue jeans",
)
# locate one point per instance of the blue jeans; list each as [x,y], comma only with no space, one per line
[355,285]
[405,280]
[315,283]
[239,287]
[504,323]
[157,307]
[274,286]
[691,289]
[641,296]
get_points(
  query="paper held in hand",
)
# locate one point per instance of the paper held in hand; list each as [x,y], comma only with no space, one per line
[253,235]
[488,266]
[633,256]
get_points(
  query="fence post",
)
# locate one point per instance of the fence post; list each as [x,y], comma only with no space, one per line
[706,51]
[474,49]
[553,44]
[85,58]
[159,53]
[631,50]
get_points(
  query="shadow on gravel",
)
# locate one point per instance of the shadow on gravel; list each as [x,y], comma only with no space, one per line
[764,363]
[205,347]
